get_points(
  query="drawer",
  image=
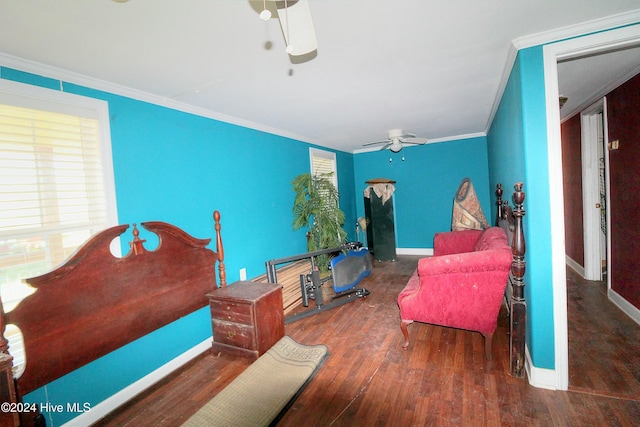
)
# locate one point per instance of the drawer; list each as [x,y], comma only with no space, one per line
[233,334]
[231,311]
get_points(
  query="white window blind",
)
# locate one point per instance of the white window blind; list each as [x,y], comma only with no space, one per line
[56,186]
[323,162]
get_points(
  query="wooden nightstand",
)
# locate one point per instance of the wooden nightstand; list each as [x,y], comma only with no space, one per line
[247,318]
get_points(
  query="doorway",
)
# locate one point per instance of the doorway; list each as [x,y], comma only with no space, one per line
[552,54]
[595,181]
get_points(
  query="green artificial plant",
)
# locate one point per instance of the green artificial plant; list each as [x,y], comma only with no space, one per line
[316,208]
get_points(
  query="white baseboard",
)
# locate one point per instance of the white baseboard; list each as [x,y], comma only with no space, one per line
[629,309]
[624,305]
[540,377]
[414,251]
[103,408]
[575,266]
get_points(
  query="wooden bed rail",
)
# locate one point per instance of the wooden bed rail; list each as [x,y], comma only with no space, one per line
[289,277]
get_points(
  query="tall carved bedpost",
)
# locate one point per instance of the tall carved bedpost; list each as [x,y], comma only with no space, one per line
[4,343]
[8,393]
[498,203]
[518,305]
[222,273]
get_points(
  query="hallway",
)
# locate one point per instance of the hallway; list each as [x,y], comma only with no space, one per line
[604,343]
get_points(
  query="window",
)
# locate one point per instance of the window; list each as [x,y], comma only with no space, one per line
[56,182]
[323,162]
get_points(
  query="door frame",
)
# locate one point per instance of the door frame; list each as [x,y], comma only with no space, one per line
[591,44]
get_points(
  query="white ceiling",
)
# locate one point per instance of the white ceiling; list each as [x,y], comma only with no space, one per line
[585,79]
[432,68]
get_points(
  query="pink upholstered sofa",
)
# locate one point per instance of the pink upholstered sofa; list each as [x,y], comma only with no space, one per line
[461,286]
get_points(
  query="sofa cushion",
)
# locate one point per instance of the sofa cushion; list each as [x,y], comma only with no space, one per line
[491,238]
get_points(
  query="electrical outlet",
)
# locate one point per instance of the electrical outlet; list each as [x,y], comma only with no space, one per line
[614,145]
[243,274]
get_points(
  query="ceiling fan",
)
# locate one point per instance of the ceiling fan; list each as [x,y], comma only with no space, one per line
[296,23]
[396,139]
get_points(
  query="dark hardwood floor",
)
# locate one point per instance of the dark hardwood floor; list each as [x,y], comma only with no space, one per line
[442,379]
[604,343]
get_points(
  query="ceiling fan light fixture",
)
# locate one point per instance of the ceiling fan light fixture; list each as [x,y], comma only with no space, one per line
[396,145]
[396,140]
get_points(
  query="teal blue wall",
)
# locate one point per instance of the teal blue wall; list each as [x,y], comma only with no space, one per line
[426,183]
[505,139]
[517,145]
[177,167]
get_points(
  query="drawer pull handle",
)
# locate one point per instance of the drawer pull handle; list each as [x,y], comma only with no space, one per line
[228,308]
[231,334]
[229,317]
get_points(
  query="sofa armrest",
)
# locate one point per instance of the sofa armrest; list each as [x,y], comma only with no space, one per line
[466,262]
[454,242]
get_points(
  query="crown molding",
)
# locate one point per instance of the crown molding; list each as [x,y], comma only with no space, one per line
[67,76]
[578,30]
[595,25]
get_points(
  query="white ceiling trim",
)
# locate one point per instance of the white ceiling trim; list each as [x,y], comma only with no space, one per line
[558,34]
[606,23]
[61,75]
[602,24]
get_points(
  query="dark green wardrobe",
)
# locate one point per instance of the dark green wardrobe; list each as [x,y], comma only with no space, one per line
[381,236]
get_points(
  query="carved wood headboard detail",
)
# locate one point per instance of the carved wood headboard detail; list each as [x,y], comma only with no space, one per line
[96,303]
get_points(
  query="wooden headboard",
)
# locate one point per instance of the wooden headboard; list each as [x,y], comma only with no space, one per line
[95,302]
[510,219]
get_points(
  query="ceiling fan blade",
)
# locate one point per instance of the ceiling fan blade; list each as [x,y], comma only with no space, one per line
[385,141]
[414,140]
[389,144]
[297,27]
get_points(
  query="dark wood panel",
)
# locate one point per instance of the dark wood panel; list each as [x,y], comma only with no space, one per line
[623,119]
